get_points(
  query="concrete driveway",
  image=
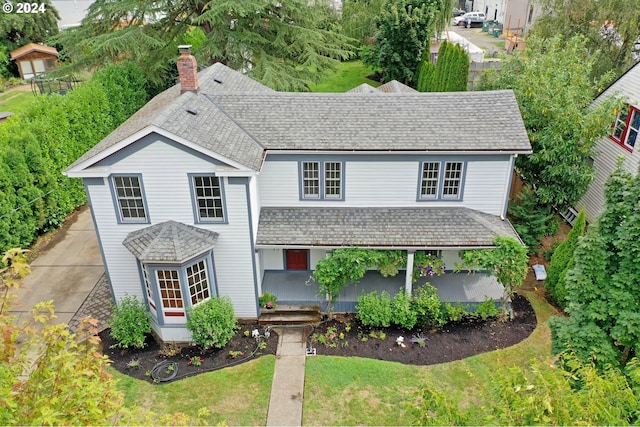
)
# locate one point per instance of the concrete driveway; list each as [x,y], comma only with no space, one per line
[65,271]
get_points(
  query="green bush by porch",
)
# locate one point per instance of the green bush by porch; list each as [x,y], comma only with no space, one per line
[212,323]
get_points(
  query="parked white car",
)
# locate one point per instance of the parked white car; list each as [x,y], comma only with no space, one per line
[469,17]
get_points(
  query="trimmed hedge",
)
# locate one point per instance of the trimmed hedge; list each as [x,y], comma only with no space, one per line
[37,144]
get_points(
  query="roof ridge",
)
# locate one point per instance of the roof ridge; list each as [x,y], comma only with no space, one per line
[222,110]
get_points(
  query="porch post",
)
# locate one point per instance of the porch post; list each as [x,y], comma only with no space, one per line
[408,279]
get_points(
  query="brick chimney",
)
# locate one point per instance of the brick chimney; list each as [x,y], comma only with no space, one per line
[187,69]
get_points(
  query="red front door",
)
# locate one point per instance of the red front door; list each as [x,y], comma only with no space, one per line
[297,259]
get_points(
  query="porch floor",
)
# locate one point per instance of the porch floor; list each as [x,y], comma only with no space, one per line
[296,287]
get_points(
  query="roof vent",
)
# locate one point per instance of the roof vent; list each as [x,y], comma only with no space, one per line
[192,111]
[217,81]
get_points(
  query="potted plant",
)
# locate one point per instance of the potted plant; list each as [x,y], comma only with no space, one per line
[267,300]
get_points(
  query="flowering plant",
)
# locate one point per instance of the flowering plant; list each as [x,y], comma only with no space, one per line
[427,265]
[195,361]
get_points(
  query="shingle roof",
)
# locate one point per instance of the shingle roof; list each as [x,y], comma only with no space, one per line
[429,227]
[169,241]
[210,128]
[32,47]
[237,117]
[453,121]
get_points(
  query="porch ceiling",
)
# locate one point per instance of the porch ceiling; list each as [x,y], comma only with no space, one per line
[380,227]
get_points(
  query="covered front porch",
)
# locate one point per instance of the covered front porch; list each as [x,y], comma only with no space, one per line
[298,288]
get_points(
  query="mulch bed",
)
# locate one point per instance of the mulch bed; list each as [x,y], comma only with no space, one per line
[457,340]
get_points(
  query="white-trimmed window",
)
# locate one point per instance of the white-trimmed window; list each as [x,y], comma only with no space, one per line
[170,292]
[321,180]
[208,198]
[627,127]
[430,179]
[452,180]
[311,180]
[148,288]
[129,197]
[332,180]
[198,282]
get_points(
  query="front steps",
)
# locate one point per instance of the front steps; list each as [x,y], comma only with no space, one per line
[291,315]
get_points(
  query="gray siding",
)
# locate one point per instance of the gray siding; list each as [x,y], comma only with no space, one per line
[628,88]
[391,182]
[164,169]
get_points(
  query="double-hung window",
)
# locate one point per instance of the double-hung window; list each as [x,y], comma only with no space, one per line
[129,196]
[208,198]
[441,180]
[322,180]
[627,127]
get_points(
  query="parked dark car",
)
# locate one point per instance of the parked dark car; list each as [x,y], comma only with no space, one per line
[458,12]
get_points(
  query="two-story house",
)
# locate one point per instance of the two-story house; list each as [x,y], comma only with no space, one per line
[222,186]
[621,142]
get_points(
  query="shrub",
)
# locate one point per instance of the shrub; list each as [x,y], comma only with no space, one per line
[455,312]
[267,300]
[562,261]
[130,323]
[487,309]
[427,306]
[212,323]
[532,219]
[373,310]
[402,313]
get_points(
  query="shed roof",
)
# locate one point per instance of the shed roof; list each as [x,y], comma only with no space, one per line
[32,47]
[402,228]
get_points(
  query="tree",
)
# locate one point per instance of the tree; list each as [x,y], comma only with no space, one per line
[285,45]
[552,84]
[611,29]
[404,30]
[22,28]
[451,71]
[602,289]
[541,394]
[563,260]
[359,19]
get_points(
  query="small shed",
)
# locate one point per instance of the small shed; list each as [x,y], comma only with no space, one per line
[33,59]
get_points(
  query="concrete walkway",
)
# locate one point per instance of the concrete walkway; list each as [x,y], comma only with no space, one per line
[287,388]
[67,270]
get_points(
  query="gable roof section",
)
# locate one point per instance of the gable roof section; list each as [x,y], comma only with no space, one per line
[32,47]
[469,121]
[626,86]
[169,241]
[210,128]
[406,228]
[237,119]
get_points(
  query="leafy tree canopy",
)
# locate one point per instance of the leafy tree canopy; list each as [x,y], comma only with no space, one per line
[22,28]
[552,84]
[611,28]
[285,45]
[603,297]
[405,28]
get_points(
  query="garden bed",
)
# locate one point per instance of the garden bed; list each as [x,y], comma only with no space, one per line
[457,340]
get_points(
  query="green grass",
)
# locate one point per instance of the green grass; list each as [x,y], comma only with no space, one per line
[347,76]
[16,101]
[369,392]
[338,391]
[235,396]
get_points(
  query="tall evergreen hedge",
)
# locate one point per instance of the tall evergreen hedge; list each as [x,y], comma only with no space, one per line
[450,72]
[36,145]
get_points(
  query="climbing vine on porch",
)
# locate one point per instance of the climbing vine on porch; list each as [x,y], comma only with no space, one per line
[344,266]
[508,261]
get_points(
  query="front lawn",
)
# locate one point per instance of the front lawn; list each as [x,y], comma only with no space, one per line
[348,75]
[338,391]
